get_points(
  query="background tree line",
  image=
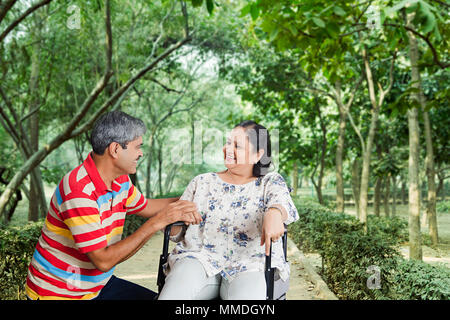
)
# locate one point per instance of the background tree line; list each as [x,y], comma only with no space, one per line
[357,89]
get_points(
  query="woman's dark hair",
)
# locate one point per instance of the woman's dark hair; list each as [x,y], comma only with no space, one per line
[260,139]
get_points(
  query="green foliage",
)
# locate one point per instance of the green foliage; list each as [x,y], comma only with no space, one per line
[416,280]
[393,229]
[53,175]
[348,255]
[17,245]
[132,223]
[443,206]
[314,220]
[347,258]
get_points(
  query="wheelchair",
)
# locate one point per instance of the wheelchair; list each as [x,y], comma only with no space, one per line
[276,288]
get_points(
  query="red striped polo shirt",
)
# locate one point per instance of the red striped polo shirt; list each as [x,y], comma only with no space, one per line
[84,215]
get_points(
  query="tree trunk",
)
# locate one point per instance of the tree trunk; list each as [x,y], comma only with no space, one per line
[318,189]
[171,177]
[37,194]
[339,155]
[387,191]
[415,241]
[415,245]
[365,173]
[377,196]
[344,110]
[295,178]
[440,189]
[355,183]
[394,196]
[431,205]
[323,152]
[148,191]
[160,170]
[404,194]
[378,184]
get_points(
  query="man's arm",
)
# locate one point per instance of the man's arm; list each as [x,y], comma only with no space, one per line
[155,205]
[106,258]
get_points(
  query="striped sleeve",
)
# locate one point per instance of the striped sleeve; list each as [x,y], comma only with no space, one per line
[81,215]
[135,201]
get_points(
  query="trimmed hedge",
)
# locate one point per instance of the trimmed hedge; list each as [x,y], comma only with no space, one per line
[352,259]
[417,280]
[17,246]
[346,251]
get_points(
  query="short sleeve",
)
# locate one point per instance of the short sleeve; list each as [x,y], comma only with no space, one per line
[81,215]
[276,192]
[135,200]
[188,195]
[189,192]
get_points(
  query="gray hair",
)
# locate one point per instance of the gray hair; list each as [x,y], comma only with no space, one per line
[115,126]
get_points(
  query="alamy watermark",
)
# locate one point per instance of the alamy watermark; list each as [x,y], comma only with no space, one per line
[199,145]
[374,281]
[74,280]
[373,18]
[74,20]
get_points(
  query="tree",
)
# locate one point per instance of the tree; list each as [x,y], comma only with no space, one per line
[415,245]
[420,20]
[76,126]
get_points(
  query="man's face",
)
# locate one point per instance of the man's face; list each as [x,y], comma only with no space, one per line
[128,158]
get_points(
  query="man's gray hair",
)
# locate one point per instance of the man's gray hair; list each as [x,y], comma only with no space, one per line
[115,126]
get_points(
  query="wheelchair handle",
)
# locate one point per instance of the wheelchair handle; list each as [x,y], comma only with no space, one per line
[167,230]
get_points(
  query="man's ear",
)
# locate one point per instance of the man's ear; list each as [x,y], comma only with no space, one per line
[113,149]
[260,154]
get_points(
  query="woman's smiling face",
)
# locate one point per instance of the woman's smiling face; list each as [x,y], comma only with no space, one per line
[238,152]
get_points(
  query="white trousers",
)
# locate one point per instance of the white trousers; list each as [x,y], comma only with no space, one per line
[187,280]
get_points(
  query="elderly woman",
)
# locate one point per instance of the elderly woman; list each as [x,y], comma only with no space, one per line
[243,209]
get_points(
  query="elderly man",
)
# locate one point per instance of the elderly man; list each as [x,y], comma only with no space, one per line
[81,240]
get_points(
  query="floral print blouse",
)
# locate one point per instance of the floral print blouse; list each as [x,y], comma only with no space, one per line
[227,241]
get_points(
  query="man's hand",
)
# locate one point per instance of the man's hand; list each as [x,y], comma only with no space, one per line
[272,229]
[181,210]
[106,258]
[155,205]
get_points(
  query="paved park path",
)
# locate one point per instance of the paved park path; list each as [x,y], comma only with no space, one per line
[304,282]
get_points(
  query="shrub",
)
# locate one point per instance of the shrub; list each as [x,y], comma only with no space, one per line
[348,259]
[350,256]
[393,229]
[443,206]
[416,280]
[313,220]
[17,245]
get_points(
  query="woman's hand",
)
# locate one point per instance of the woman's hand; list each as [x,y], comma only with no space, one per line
[272,229]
